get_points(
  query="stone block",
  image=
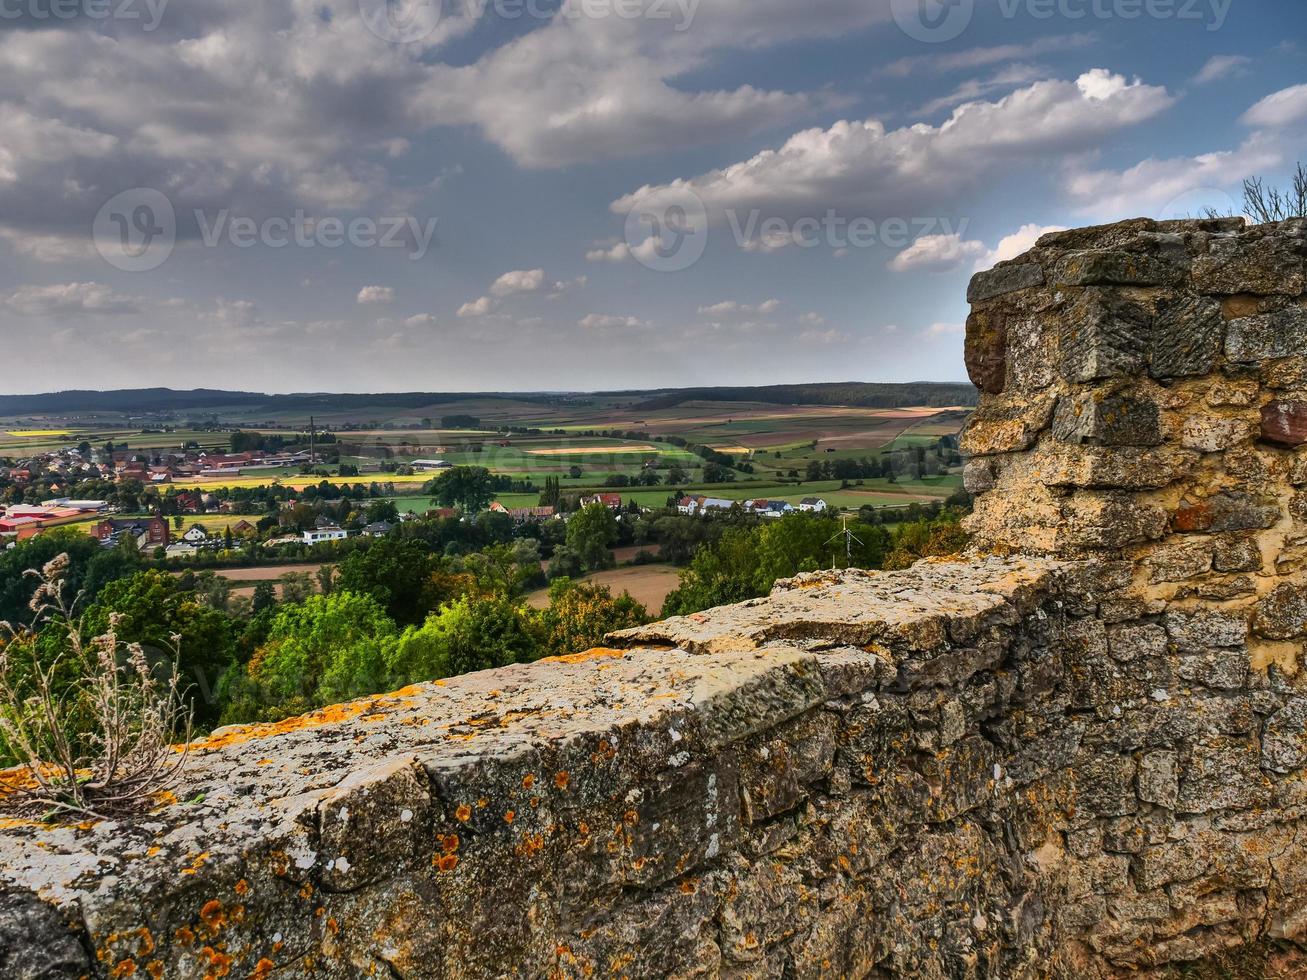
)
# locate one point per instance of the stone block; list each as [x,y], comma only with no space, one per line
[1005,425]
[1187,337]
[985,350]
[1104,335]
[1105,784]
[1109,520]
[1114,468]
[1196,631]
[1159,778]
[1117,419]
[1104,267]
[1232,510]
[1129,643]
[1282,614]
[1285,423]
[1177,562]
[1223,774]
[1268,266]
[1267,337]
[1236,554]
[979,475]
[1284,741]
[1221,670]
[1211,434]
[1003,280]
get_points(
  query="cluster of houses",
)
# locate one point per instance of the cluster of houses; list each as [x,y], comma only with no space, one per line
[699,506]
[74,466]
[24,521]
[168,467]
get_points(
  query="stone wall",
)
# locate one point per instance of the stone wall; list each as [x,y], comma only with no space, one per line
[1077,752]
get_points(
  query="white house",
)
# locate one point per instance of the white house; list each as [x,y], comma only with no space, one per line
[196,535]
[431,464]
[812,505]
[322,534]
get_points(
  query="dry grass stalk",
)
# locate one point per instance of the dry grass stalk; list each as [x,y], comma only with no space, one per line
[127,757]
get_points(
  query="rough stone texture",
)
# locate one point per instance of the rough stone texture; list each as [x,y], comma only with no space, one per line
[1078,752]
[1182,353]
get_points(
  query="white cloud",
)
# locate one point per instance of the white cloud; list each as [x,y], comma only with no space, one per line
[376,296]
[937,253]
[1222,66]
[1287,107]
[598,321]
[523,281]
[732,308]
[1018,243]
[70,299]
[976,88]
[478,307]
[421,321]
[981,57]
[812,320]
[937,330]
[1152,186]
[825,337]
[860,168]
[618,252]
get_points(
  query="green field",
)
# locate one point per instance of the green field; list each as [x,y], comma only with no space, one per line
[589,433]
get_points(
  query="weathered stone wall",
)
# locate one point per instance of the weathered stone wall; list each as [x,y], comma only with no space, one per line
[1079,752]
[1145,407]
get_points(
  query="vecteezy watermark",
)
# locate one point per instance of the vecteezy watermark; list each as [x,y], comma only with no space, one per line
[393,231]
[754,233]
[410,21]
[137,231]
[937,21]
[148,12]
[670,235]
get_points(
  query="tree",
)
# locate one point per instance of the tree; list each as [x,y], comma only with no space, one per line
[154,609]
[1267,204]
[265,597]
[581,615]
[382,510]
[296,587]
[677,476]
[396,572]
[469,487]
[591,533]
[323,650]
[566,563]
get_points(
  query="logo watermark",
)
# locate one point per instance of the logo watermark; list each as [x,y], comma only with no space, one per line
[938,21]
[149,13]
[670,236]
[411,21]
[671,232]
[137,231]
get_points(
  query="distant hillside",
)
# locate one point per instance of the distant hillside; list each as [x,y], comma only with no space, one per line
[151,400]
[930,394]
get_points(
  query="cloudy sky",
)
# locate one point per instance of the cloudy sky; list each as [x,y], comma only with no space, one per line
[365,195]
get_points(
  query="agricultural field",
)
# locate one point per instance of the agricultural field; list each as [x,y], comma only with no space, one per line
[580,440]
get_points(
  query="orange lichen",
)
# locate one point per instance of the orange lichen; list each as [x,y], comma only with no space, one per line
[447,863]
[125,968]
[448,843]
[333,715]
[146,945]
[333,926]
[155,969]
[263,969]
[219,962]
[509,816]
[307,891]
[213,915]
[562,779]
[185,935]
[528,780]
[464,813]
[689,886]
[598,653]
[242,887]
